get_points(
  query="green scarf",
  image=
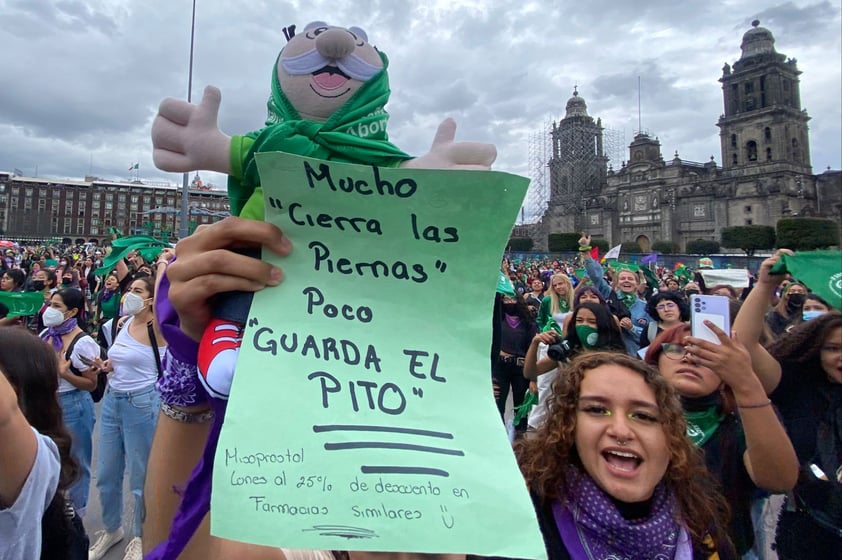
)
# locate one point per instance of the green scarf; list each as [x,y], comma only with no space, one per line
[702,424]
[563,305]
[627,299]
[355,133]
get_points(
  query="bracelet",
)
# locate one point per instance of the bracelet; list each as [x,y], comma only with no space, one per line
[581,248]
[186,417]
[761,405]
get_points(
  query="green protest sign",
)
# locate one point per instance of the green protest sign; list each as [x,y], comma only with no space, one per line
[21,304]
[361,415]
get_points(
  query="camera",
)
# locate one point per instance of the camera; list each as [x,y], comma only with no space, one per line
[560,351]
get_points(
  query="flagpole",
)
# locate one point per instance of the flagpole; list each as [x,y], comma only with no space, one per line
[185,193]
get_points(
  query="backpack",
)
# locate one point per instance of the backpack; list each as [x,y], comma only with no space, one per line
[101,377]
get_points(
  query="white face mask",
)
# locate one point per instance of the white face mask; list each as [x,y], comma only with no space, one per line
[133,304]
[52,317]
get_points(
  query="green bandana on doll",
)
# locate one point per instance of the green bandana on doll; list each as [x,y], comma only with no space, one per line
[355,133]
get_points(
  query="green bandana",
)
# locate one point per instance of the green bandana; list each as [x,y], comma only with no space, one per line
[703,424]
[355,133]
[627,299]
[563,305]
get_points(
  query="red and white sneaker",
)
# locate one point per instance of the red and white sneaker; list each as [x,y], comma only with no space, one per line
[218,351]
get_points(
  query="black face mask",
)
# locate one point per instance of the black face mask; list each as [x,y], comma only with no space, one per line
[795,301]
[510,308]
[38,285]
[65,281]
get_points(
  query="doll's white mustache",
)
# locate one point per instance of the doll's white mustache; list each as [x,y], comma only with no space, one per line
[311,61]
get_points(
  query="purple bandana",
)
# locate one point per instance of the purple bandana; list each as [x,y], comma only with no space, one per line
[54,334]
[106,295]
[592,527]
[512,320]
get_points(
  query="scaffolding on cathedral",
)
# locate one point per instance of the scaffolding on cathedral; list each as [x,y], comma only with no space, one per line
[540,152]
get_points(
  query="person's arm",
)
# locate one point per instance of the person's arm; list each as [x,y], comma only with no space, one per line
[204,267]
[593,269]
[18,445]
[86,380]
[122,270]
[751,319]
[769,457]
[532,367]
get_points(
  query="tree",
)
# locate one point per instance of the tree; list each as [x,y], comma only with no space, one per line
[702,247]
[749,238]
[630,247]
[558,242]
[521,243]
[665,247]
[807,234]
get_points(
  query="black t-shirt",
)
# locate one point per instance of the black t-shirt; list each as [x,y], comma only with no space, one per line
[802,404]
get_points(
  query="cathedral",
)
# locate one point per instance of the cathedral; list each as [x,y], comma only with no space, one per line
[765,173]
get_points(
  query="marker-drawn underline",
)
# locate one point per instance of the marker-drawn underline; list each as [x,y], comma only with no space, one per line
[376,469]
[388,429]
[391,445]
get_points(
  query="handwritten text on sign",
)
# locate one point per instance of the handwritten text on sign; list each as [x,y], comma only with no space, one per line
[361,415]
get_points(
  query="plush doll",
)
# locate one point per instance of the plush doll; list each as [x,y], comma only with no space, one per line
[328,96]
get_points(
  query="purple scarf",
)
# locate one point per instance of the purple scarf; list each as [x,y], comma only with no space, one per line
[54,334]
[106,295]
[592,528]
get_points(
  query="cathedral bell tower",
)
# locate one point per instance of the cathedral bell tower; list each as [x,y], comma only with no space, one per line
[763,121]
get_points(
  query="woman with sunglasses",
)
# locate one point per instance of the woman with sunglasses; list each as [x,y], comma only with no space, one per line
[729,417]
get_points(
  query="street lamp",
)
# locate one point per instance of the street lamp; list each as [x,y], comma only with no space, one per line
[185,192]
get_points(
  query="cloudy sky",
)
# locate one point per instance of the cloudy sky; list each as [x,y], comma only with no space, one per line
[82,79]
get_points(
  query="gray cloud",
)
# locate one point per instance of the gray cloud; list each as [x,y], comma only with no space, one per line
[83,78]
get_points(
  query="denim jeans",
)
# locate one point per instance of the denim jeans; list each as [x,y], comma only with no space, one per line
[127,424]
[77,409]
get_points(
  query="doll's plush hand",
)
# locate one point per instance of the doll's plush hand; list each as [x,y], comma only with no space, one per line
[185,137]
[447,154]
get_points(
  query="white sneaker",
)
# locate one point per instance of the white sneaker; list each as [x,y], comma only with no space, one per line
[104,543]
[135,550]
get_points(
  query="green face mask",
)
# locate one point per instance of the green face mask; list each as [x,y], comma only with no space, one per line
[587,335]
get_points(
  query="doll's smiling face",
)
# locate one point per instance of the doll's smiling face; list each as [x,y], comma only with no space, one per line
[323,66]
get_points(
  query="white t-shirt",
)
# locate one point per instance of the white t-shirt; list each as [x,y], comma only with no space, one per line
[20,525]
[85,346]
[133,362]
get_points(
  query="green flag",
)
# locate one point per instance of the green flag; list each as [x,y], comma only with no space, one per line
[21,304]
[821,271]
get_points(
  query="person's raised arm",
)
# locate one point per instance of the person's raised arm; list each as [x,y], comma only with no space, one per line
[750,322]
[769,457]
[204,266]
[593,268]
[18,445]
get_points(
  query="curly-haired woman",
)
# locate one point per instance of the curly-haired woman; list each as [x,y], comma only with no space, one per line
[612,473]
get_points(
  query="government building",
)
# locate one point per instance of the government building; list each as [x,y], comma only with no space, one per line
[765,173]
[38,209]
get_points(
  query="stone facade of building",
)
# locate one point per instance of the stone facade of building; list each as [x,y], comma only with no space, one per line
[765,175]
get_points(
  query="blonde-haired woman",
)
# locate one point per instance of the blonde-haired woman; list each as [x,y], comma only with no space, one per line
[556,304]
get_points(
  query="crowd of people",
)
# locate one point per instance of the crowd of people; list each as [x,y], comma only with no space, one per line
[647,441]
